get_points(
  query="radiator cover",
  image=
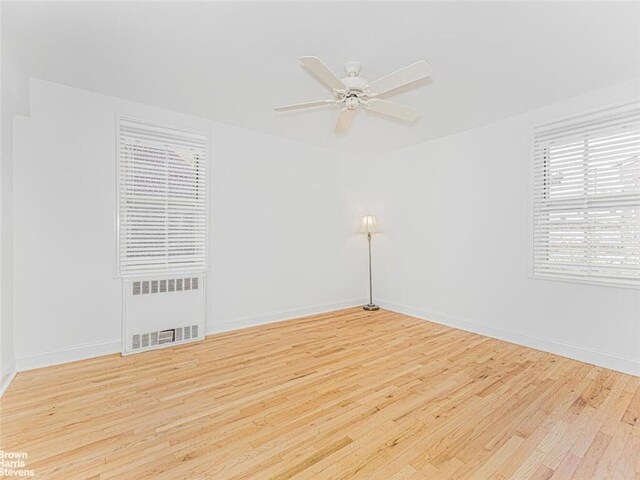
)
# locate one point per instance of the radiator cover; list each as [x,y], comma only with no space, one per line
[162,312]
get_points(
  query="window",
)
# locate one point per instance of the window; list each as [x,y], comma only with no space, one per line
[162,198]
[586,197]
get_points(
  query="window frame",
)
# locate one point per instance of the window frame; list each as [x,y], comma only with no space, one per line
[531,270]
[120,116]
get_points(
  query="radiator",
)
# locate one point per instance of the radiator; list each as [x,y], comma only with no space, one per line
[162,312]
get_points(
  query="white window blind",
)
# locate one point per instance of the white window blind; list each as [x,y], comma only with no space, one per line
[162,218]
[586,197]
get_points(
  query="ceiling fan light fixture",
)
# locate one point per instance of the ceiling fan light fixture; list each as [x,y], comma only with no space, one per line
[351,102]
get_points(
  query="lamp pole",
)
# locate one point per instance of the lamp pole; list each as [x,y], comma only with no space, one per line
[370,306]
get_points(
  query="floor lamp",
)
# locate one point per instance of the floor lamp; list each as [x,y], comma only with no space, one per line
[368,227]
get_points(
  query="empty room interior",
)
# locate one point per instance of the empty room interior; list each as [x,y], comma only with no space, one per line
[320,240]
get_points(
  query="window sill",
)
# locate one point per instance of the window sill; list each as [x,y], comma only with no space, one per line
[584,281]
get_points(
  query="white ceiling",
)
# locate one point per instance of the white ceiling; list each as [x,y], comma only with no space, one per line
[232,62]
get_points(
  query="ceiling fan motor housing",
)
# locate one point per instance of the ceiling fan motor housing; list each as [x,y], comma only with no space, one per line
[355,83]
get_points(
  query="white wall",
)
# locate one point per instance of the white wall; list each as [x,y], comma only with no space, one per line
[7,357]
[8,101]
[281,241]
[455,247]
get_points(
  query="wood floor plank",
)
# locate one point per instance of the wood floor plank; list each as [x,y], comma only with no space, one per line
[346,394]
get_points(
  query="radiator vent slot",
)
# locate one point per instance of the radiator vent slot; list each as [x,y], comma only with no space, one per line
[162,337]
[146,287]
[167,336]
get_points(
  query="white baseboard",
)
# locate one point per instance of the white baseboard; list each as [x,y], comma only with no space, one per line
[89,350]
[69,354]
[602,359]
[97,349]
[279,316]
[6,376]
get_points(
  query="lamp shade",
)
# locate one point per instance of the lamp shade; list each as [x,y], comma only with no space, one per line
[368,225]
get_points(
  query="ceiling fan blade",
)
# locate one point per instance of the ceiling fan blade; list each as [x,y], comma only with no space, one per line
[322,72]
[344,120]
[296,106]
[399,78]
[391,109]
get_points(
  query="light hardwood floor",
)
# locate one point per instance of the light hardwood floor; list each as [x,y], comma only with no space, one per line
[351,394]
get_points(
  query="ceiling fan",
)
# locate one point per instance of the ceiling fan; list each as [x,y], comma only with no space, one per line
[354,91]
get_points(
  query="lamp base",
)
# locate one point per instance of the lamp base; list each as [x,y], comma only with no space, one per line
[371,307]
